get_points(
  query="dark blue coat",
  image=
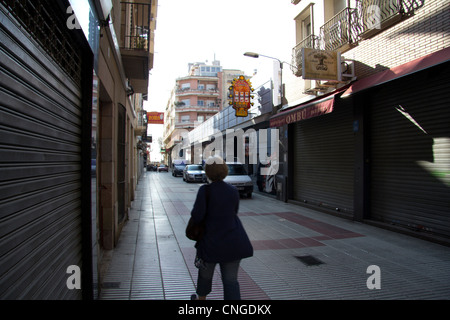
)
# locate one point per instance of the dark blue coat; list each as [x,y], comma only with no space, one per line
[225,239]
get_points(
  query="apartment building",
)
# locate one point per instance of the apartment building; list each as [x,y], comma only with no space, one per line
[372,145]
[196,98]
[197,95]
[74,77]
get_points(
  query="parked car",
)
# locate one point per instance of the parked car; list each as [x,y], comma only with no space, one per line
[178,170]
[194,172]
[163,168]
[238,177]
[151,167]
[93,167]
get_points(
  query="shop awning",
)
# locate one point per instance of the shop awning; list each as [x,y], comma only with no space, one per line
[316,107]
[422,63]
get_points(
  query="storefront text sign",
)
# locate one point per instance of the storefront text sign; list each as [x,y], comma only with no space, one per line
[155,118]
[320,64]
[302,113]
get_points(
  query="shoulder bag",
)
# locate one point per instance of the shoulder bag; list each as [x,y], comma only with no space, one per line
[195,231]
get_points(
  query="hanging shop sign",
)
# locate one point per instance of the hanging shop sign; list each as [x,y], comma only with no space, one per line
[321,64]
[240,96]
[155,117]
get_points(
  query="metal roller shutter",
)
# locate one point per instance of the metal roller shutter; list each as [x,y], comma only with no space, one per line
[323,159]
[40,164]
[410,151]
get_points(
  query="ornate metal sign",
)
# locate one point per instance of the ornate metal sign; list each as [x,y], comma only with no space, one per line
[240,96]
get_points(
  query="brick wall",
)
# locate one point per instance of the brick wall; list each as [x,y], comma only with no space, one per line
[425,32]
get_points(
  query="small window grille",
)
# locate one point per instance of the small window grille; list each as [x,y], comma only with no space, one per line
[47,24]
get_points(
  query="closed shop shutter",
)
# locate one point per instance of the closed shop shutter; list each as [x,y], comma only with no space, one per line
[323,159]
[40,172]
[410,151]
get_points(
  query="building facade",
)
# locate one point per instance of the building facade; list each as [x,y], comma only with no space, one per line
[196,98]
[74,77]
[374,145]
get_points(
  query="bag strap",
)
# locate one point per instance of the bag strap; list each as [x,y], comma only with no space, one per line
[207,191]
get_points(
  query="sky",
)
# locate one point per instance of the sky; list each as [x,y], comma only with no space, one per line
[199,30]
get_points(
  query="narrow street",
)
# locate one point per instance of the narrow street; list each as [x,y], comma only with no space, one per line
[299,253]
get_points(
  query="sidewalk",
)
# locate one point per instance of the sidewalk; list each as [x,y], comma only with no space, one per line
[299,253]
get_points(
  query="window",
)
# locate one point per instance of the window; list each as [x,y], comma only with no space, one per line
[304,26]
[201,103]
[185,119]
[339,5]
[200,119]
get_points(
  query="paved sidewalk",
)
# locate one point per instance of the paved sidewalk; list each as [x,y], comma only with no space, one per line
[299,253]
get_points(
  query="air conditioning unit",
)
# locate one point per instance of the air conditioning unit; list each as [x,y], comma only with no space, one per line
[347,70]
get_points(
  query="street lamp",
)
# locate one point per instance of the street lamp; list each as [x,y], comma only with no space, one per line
[257,55]
[284,160]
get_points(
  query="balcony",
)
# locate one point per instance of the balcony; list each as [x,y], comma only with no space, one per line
[311,41]
[197,92]
[198,109]
[185,125]
[377,15]
[141,125]
[340,32]
[135,44]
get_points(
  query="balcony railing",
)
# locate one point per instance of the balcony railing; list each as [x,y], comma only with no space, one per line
[341,30]
[135,26]
[311,41]
[346,28]
[189,91]
[376,15]
[135,48]
[198,109]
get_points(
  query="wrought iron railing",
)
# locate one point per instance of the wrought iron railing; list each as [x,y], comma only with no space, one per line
[342,29]
[310,41]
[136,25]
[351,24]
[379,14]
[43,21]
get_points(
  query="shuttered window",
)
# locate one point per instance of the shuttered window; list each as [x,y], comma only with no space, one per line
[323,159]
[410,151]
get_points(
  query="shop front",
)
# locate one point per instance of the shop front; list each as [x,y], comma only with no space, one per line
[377,150]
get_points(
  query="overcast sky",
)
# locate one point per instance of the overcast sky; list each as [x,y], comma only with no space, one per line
[198,30]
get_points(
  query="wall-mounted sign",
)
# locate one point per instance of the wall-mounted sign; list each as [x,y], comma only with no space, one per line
[240,96]
[155,117]
[321,64]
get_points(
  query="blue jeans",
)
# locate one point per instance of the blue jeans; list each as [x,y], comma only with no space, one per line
[229,271]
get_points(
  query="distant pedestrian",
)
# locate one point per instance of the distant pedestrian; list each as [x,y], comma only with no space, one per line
[225,241]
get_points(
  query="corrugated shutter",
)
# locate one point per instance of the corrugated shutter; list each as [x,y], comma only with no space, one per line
[323,159]
[410,151]
[40,173]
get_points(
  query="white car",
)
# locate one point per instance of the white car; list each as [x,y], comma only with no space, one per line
[238,177]
[194,172]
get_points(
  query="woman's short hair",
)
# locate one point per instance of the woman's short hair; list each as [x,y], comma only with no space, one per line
[215,168]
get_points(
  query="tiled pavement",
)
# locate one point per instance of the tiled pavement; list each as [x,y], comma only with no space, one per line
[154,259]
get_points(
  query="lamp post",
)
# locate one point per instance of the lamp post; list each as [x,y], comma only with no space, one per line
[280,179]
[257,55]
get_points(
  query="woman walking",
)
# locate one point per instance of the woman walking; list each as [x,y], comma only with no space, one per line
[224,241]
